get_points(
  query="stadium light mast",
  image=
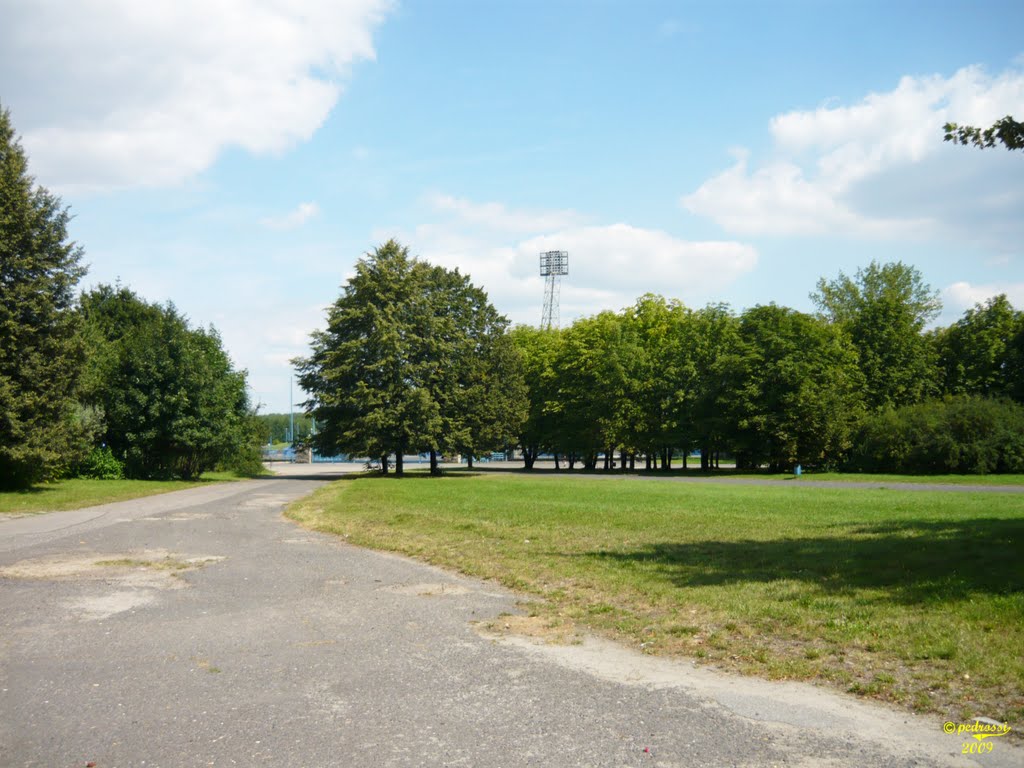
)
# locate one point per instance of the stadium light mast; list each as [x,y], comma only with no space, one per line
[553,264]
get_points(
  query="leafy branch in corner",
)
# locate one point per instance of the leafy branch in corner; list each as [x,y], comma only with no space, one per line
[1007,130]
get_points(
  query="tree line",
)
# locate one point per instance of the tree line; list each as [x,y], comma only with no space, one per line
[415,359]
[102,384]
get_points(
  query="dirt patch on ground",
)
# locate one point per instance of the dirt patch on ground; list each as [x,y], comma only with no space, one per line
[149,568]
[540,630]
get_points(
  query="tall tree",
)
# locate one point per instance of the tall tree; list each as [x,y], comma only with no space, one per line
[538,350]
[711,346]
[368,374]
[40,353]
[404,364]
[591,369]
[794,394]
[477,381]
[659,376]
[884,308]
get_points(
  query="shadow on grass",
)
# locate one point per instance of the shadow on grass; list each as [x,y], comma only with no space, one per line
[912,561]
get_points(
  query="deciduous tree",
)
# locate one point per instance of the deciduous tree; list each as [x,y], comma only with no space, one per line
[976,353]
[884,308]
[794,390]
[172,403]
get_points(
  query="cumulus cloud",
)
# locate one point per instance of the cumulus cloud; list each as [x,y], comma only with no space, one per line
[610,265]
[292,219]
[963,295]
[829,164]
[121,94]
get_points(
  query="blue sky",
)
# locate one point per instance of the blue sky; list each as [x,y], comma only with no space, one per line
[237,156]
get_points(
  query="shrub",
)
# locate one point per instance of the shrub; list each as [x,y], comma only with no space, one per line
[101,464]
[969,435]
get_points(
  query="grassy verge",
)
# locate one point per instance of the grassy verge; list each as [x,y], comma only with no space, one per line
[911,597]
[78,492]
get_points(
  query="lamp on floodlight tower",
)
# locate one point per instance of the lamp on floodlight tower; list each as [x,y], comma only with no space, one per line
[553,264]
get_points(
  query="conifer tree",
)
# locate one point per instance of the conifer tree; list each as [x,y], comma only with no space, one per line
[40,351]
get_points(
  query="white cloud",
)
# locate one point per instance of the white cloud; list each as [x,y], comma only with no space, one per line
[497,216]
[962,296]
[610,265]
[829,163]
[112,94]
[292,219]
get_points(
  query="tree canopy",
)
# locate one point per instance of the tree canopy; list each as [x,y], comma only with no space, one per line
[885,309]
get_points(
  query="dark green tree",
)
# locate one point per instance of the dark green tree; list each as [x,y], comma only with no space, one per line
[172,403]
[41,354]
[367,377]
[1006,131]
[884,309]
[405,363]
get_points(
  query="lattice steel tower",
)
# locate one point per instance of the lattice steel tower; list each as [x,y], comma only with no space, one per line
[553,264]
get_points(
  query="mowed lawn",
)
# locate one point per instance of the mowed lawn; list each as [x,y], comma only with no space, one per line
[77,492]
[916,597]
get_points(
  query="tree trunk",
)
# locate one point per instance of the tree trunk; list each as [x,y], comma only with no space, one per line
[686,455]
[648,461]
[590,462]
[717,454]
[572,459]
[399,463]
[556,462]
[469,461]
[433,463]
[624,458]
[529,456]
[704,460]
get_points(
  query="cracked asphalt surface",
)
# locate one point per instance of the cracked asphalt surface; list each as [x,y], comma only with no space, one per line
[213,632]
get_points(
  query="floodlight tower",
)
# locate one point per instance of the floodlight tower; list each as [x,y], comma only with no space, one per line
[553,264]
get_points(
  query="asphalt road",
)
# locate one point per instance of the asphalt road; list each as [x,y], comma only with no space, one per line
[201,628]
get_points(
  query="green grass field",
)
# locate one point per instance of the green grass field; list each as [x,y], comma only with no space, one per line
[78,492]
[916,597]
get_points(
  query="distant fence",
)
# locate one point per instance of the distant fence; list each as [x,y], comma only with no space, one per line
[281,454]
